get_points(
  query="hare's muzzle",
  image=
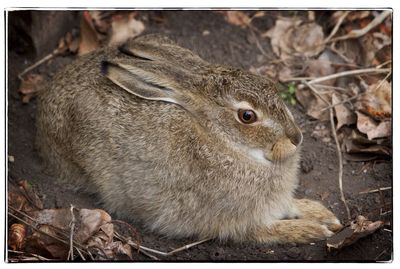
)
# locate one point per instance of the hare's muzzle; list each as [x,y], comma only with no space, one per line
[287,146]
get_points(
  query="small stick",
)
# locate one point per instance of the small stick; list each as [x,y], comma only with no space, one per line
[339,103]
[376,190]
[130,242]
[71,235]
[350,73]
[360,32]
[31,254]
[339,152]
[41,61]
[336,28]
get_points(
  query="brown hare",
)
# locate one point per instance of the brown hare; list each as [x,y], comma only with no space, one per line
[187,147]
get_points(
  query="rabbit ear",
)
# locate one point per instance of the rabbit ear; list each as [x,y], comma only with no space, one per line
[139,82]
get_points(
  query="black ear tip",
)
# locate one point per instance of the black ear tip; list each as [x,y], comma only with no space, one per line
[123,49]
[104,67]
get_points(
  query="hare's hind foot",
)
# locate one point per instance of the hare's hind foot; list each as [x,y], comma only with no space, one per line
[315,211]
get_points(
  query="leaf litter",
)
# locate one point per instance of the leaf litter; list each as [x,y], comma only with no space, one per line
[354,57]
[68,233]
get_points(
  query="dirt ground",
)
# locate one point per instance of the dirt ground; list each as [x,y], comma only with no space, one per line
[225,44]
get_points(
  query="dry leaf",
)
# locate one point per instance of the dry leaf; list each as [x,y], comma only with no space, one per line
[358,148]
[29,193]
[125,27]
[30,86]
[238,18]
[321,67]
[16,239]
[88,36]
[344,115]
[376,101]
[359,228]
[314,104]
[291,37]
[371,128]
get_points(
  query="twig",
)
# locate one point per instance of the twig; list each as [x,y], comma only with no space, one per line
[388,230]
[41,258]
[339,103]
[350,73]
[336,28]
[376,190]
[45,233]
[360,32]
[341,55]
[71,235]
[41,61]
[121,238]
[339,152]
[315,91]
[165,254]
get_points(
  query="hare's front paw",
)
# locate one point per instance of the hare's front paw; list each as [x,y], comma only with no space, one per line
[315,211]
[293,230]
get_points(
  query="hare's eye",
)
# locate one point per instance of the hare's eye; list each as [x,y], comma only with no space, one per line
[247,116]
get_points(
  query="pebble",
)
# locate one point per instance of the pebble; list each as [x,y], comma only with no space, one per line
[294,252]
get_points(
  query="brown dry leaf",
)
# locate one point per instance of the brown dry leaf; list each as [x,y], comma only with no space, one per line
[265,70]
[376,101]
[291,37]
[359,228]
[30,86]
[88,36]
[45,245]
[16,239]
[321,67]
[30,194]
[125,27]
[357,147]
[344,115]
[314,104]
[371,128]
[238,18]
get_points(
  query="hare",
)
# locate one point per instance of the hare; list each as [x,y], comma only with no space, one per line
[189,148]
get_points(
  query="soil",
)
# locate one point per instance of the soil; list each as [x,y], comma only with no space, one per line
[232,45]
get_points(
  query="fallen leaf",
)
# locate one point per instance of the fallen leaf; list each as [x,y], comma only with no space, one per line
[30,194]
[314,104]
[344,115]
[291,37]
[238,18]
[321,67]
[359,228]
[16,239]
[88,35]
[30,86]
[376,102]
[372,128]
[124,27]
[357,147]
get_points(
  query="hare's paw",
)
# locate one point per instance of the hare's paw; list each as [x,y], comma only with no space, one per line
[315,211]
[294,230]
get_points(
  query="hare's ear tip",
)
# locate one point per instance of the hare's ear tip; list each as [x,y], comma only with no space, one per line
[104,67]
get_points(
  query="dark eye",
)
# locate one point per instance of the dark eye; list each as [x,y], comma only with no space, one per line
[247,116]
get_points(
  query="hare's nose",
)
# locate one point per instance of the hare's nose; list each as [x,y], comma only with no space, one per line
[295,136]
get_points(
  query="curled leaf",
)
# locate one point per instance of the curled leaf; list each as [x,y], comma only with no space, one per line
[16,240]
[358,228]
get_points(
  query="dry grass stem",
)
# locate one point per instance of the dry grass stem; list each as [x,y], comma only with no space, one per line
[339,152]
[376,190]
[41,61]
[71,235]
[360,32]
[165,254]
[336,28]
[350,73]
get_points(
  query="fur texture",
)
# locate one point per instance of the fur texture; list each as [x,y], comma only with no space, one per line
[153,129]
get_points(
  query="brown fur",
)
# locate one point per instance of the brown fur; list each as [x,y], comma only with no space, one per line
[187,167]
